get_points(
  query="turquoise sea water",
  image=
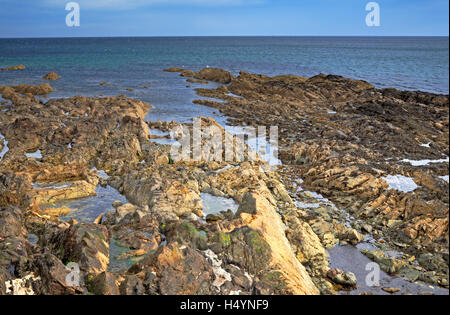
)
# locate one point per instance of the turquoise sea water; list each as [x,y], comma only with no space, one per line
[413,63]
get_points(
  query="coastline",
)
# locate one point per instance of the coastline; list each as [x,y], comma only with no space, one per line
[334,166]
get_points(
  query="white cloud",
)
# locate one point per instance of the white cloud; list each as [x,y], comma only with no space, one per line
[134,4]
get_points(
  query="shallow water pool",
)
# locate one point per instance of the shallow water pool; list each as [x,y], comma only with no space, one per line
[88,209]
[213,204]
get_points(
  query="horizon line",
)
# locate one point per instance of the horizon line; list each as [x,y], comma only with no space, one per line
[226,36]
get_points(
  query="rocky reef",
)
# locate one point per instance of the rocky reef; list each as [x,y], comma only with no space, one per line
[211,227]
[379,154]
[11,68]
[161,240]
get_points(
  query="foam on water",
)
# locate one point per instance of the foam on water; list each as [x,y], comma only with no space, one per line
[401,183]
[34,155]
[5,147]
[425,162]
[304,205]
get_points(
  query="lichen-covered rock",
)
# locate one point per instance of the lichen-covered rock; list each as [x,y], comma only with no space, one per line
[179,270]
[186,233]
[248,250]
[262,217]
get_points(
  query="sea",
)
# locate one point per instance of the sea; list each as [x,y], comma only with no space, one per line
[407,63]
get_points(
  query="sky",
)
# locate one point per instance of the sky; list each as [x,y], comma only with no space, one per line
[47,18]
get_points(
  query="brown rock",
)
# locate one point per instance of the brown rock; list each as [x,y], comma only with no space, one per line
[18,67]
[51,76]
[215,75]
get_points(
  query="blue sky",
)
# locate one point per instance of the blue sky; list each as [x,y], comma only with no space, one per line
[46,18]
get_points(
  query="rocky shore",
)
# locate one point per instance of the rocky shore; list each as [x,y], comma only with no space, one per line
[381,155]
[269,233]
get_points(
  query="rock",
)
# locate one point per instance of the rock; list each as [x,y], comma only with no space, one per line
[116,204]
[174,69]
[180,270]
[342,278]
[186,233]
[40,89]
[12,223]
[56,212]
[410,274]
[14,191]
[85,244]
[78,189]
[432,262]
[187,73]
[261,216]
[247,249]
[52,273]
[351,235]
[391,290]
[387,264]
[367,228]
[51,76]
[104,283]
[309,249]
[215,75]
[126,214]
[214,218]
[15,251]
[18,67]
[191,80]
[340,159]
[132,285]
